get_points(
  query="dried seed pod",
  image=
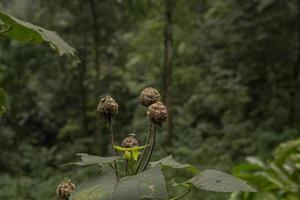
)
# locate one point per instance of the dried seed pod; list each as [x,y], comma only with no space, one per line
[107,108]
[149,96]
[130,141]
[157,113]
[64,189]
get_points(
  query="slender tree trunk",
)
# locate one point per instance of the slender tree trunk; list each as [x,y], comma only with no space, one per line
[97,82]
[167,75]
[81,67]
[293,92]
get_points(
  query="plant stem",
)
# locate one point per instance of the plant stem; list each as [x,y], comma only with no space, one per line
[151,148]
[122,173]
[111,135]
[183,194]
[144,151]
[126,167]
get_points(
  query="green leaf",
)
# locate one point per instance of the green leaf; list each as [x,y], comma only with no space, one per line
[170,162]
[26,32]
[213,180]
[2,101]
[148,184]
[284,150]
[131,153]
[129,149]
[87,159]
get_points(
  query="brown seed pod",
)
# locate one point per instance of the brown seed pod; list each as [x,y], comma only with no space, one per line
[149,96]
[107,108]
[64,189]
[130,141]
[157,113]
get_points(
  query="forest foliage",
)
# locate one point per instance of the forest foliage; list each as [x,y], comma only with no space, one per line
[233,84]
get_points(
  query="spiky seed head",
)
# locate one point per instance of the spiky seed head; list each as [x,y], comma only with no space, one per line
[64,189]
[157,113]
[130,141]
[107,108]
[149,96]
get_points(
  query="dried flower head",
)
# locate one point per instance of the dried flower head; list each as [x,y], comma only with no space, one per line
[158,113]
[149,96]
[130,141]
[107,108]
[64,189]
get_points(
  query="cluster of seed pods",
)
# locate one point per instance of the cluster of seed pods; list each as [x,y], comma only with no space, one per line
[107,109]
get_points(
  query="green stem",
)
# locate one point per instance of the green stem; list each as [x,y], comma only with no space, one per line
[126,167]
[122,173]
[111,135]
[132,164]
[151,148]
[183,194]
[144,151]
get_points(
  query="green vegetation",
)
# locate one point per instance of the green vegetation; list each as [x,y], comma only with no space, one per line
[128,177]
[228,72]
[277,179]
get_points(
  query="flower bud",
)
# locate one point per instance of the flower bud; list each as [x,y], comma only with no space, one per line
[107,108]
[64,189]
[130,141]
[149,96]
[158,113]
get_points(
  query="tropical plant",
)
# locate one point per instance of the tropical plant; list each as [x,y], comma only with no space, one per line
[130,175]
[276,180]
[23,31]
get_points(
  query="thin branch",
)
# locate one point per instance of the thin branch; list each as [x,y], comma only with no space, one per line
[111,135]
[112,167]
[183,194]
[144,150]
[151,148]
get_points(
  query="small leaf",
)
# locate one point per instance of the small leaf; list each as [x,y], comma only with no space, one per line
[26,32]
[129,149]
[131,153]
[170,162]
[148,184]
[87,159]
[213,180]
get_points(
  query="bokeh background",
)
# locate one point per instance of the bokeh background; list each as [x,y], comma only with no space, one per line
[228,71]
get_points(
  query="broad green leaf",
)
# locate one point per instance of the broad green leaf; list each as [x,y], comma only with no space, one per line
[2,101]
[148,184]
[213,180]
[284,150]
[26,32]
[170,162]
[87,159]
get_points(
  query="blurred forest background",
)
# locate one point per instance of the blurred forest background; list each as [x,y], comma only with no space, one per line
[228,71]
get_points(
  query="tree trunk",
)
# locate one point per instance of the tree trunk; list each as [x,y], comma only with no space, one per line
[99,137]
[167,75]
